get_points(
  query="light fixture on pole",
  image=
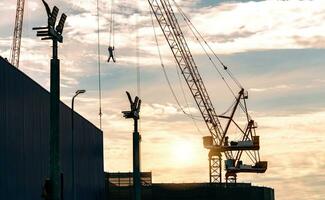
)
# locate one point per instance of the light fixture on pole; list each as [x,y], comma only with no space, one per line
[50,32]
[72,142]
[134,114]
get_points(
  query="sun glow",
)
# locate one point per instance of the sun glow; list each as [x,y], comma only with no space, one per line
[182,152]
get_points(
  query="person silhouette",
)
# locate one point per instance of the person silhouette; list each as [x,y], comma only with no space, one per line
[111,54]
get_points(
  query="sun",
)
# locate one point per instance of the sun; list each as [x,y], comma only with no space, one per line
[182,152]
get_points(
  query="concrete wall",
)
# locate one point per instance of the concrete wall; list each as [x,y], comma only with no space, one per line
[24,142]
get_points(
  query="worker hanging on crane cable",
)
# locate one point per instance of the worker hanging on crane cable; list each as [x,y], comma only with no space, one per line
[111,54]
[111,48]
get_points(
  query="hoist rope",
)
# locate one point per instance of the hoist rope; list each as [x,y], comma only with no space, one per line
[165,72]
[194,30]
[188,113]
[99,69]
[137,49]
[254,157]
[197,34]
[112,31]
[187,104]
[228,109]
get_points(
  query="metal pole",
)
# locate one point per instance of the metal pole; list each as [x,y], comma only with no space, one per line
[72,143]
[210,170]
[55,124]
[220,169]
[134,114]
[50,32]
[136,162]
[72,146]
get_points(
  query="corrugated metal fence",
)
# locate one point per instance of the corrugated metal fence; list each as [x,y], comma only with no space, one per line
[24,142]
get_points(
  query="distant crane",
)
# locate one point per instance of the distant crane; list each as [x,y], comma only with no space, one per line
[18,29]
[217,143]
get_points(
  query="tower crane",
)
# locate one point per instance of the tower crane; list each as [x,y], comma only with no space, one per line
[18,29]
[217,142]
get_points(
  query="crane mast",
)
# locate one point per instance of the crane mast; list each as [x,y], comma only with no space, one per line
[18,29]
[217,143]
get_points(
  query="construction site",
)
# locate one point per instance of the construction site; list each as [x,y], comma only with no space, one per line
[49,151]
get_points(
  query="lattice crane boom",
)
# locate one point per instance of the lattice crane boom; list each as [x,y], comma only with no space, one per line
[186,63]
[168,22]
[18,29]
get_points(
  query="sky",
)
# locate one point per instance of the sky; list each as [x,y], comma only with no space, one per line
[274,48]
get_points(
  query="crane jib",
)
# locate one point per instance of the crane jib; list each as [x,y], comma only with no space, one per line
[182,54]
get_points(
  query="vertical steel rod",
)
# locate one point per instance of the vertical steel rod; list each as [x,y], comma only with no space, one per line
[54,124]
[136,162]
[72,148]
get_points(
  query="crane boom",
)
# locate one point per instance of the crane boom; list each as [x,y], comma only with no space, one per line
[167,20]
[186,63]
[18,29]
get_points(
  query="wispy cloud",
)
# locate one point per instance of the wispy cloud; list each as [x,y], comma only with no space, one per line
[263,25]
[277,87]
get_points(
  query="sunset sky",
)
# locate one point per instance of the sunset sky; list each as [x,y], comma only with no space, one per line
[275,49]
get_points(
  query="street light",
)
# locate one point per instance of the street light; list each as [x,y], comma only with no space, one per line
[72,140]
[134,114]
[54,33]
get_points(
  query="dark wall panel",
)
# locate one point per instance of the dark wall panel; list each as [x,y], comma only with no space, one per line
[24,142]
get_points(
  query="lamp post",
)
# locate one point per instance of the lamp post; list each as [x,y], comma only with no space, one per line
[134,114]
[54,33]
[72,142]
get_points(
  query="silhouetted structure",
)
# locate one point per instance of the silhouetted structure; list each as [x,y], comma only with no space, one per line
[193,191]
[125,179]
[24,143]
[134,114]
[54,33]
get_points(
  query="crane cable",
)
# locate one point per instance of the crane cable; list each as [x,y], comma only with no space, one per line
[137,52]
[256,155]
[112,28]
[166,75]
[187,104]
[195,32]
[198,118]
[99,70]
[205,51]
[190,24]
[207,54]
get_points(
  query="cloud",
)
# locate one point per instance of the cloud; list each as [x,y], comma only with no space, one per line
[262,25]
[277,87]
[316,41]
